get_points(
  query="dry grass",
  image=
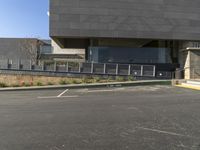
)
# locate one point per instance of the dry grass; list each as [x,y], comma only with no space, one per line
[25,80]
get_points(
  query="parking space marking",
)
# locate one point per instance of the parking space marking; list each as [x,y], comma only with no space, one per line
[94,91]
[165,132]
[108,90]
[54,97]
[63,93]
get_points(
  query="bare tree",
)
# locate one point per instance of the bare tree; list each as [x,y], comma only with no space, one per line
[30,49]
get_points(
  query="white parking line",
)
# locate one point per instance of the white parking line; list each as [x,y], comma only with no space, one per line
[165,132]
[109,90]
[54,97]
[94,91]
[63,93]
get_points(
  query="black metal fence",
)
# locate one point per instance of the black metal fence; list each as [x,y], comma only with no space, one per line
[76,67]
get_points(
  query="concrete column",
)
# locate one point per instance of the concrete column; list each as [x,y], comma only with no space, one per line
[187,66]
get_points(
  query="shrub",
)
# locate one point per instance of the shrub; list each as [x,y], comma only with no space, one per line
[87,80]
[15,85]
[3,84]
[119,78]
[50,83]
[39,83]
[130,78]
[110,79]
[97,79]
[27,84]
[62,82]
[76,81]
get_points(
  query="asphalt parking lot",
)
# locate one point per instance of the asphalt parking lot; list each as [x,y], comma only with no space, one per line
[130,118]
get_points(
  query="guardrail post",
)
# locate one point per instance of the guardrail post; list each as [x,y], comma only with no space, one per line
[30,65]
[154,71]
[43,66]
[19,64]
[67,67]
[117,69]
[129,70]
[92,67]
[7,63]
[142,70]
[104,69]
[79,67]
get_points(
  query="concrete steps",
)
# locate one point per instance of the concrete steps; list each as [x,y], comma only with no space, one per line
[191,84]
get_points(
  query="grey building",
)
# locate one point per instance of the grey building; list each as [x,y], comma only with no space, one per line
[23,48]
[127,31]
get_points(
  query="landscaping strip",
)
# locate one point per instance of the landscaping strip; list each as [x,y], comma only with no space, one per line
[93,85]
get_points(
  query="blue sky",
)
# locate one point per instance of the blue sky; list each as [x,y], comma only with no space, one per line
[24,18]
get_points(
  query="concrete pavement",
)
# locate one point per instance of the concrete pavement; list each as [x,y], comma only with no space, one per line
[123,118]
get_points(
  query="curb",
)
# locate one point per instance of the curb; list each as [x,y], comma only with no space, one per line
[98,85]
[188,87]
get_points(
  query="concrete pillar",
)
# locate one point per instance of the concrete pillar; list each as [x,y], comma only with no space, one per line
[187,66]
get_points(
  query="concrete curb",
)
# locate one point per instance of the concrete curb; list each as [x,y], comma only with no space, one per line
[96,85]
[188,87]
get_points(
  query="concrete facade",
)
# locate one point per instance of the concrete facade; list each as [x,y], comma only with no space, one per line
[24,48]
[18,48]
[147,19]
[122,24]
[58,50]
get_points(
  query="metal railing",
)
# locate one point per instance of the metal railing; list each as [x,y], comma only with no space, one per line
[81,68]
